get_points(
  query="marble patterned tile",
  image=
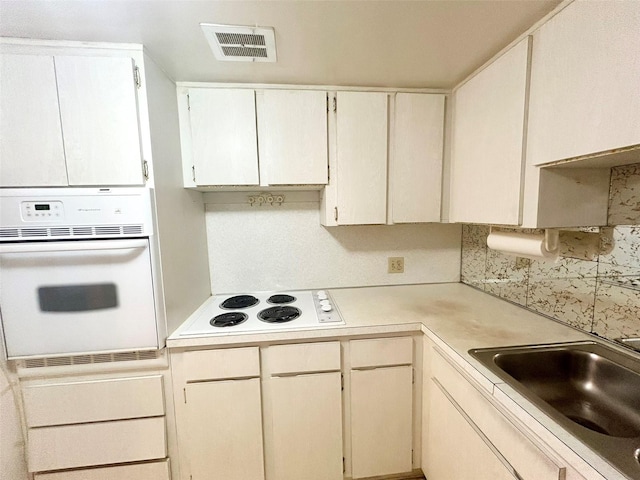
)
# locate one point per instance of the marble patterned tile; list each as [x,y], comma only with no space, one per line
[624,195]
[474,254]
[621,249]
[475,235]
[580,245]
[564,268]
[507,276]
[568,299]
[616,311]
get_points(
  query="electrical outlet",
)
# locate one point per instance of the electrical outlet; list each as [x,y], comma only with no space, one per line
[396,265]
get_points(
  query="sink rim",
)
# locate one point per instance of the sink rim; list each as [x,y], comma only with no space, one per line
[619,452]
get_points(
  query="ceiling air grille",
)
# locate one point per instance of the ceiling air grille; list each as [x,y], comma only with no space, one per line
[241,44]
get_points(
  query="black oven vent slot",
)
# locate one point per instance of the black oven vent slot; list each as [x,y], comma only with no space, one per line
[60,232]
[35,232]
[132,229]
[82,231]
[9,233]
[109,230]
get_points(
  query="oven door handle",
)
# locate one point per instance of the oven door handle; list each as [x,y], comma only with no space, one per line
[74,246]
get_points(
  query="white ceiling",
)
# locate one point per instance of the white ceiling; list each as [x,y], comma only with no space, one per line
[393,43]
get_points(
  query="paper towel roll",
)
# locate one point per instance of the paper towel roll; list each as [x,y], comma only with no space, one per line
[527,245]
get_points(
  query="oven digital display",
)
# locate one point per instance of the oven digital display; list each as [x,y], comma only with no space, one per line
[43,206]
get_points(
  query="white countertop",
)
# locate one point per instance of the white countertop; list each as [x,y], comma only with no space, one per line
[457,318]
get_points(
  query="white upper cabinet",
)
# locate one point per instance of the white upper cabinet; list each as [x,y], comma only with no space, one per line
[223,136]
[69,120]
[372,133]
[361,158]
[244,137]
[31,150]
[415,169]
[488,141]
[585,82]
[99,112]
[292,137]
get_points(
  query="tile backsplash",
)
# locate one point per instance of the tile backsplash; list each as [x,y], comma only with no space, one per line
[597,291]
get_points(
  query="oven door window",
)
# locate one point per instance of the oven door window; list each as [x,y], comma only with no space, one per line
[78,298]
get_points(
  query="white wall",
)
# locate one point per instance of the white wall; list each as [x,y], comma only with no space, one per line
[285,247]
[180,212]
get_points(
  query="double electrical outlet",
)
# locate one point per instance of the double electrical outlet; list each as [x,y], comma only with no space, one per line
[396,265]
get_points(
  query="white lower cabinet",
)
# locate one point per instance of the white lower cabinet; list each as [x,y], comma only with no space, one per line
[303,405]
[102,422]
[276,411]
[219,414]
[468,436]
[381,421]
[224,425]
[306,413]
[381,406]
[456,447]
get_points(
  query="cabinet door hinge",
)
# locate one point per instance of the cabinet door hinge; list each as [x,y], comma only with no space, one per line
[145,169]
[335,104]
[188,103]
[184,393]
[412,457]
[335,213]
[328,173]
[342,381]
[413,375]
[344,466]
[136,76]
[193,173]
[327,102]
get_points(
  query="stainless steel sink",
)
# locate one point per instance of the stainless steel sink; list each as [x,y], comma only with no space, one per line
[591,390]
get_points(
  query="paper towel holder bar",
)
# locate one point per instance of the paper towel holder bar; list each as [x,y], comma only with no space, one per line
[551,238]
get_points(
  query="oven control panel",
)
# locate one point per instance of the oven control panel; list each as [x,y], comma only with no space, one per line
[50,211]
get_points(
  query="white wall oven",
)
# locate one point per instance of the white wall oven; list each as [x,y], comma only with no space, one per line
[76,274]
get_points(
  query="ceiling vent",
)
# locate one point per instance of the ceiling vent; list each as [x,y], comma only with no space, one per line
[232,43]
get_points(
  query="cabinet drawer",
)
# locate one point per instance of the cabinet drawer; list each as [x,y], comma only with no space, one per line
[303,358]
[143,471]
[222,364]
[93,401]
[381,352]
[73,446]
[528,459]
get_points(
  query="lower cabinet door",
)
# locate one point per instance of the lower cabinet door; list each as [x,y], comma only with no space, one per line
[456,450]
[224,430]
[381,421]
[307,426]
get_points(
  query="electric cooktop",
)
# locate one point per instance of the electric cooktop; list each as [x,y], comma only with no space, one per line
[263,312]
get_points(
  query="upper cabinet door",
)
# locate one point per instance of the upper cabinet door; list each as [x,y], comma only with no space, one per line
[361,148]
[416,166]
[488,141]
[223,136]
[585,82]
[31,151]
[99,112]
[292,137]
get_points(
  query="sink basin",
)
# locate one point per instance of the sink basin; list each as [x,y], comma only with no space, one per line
[591,390]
